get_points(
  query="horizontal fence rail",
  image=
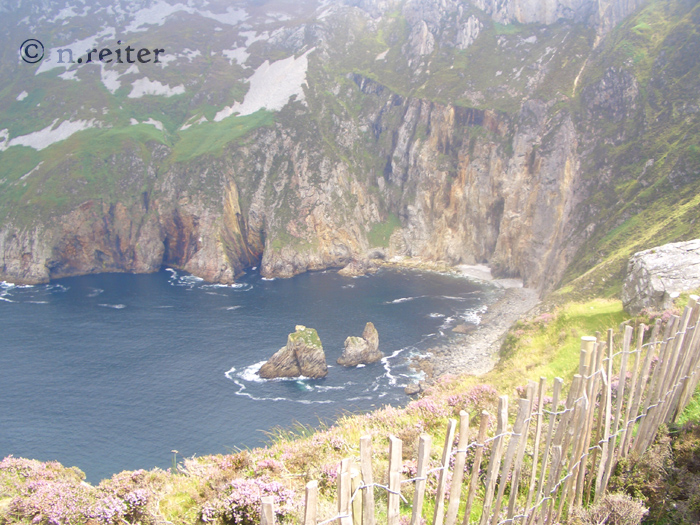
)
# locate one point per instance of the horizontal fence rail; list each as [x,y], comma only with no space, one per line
[552,458]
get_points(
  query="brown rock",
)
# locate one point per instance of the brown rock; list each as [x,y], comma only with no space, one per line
[361,350]
[464,328]
[303,356]
[358,267]
[412,389]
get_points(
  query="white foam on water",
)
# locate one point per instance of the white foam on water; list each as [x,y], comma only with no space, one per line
[349,286]
[37,302]
[436,315]
[2,298]
[474,315]
[361,365]
[95,292]
[446,324]
[250,373]
[234,307]
[403,300]
[115,306]
[268,278]
[6,285]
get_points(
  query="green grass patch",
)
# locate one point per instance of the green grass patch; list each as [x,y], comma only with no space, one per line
[210,138]
[379,233]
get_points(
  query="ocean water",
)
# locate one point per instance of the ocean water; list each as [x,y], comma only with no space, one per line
[112,372]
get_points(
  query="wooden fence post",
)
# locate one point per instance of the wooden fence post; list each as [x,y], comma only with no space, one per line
[393,498]
[517,466]
[633,402]
[356,496]
[311,503]
[516,435]
[267,510]
[606,413]
[439,514]
[476,466]
[495,461]
[424,444]
[536,445]
[458,471]
[344,492]
[367,480]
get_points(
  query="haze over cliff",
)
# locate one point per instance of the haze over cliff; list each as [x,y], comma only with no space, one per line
[547,139]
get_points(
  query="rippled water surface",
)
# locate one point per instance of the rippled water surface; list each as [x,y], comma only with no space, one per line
[112,372]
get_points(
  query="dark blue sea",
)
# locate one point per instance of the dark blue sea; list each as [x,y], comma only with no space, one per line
[111,372]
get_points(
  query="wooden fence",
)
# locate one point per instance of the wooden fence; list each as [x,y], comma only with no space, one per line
[553,457]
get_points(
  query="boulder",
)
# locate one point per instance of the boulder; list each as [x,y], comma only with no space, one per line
[464,328]
[361,350]
[657,276]
[358,267]
[303,356]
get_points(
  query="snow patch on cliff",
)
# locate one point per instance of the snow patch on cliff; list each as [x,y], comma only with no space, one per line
[271,87]
[145,86]
[45,137]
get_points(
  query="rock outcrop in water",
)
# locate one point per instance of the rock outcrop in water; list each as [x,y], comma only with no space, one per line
[302,356]
[656,277]
[361,350]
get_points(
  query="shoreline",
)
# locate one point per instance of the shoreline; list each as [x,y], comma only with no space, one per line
[476,352]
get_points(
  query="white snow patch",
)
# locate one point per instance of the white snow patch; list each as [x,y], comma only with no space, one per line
[154,15]
[160,10]
[22,96]
[271,87]
[79,49]
[157,123]
[133,70]
[110,79]
[32,171]
[382,55]
[70,75]
[189,54]
[164,60]
[45,137]
[144,86]
[190,124]
[133,121]
[231,17]
[239,54]
[253,36]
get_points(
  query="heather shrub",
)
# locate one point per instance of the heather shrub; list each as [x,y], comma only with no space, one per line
[239,502]
[613,509]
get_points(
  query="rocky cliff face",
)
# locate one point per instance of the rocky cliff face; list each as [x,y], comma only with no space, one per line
[422,128]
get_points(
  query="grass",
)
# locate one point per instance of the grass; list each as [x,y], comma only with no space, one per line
[379,233]
[210,138]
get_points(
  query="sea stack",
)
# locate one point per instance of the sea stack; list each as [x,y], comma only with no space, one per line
[303,356]
[361,350]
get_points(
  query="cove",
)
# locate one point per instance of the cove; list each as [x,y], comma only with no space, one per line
[111,372]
